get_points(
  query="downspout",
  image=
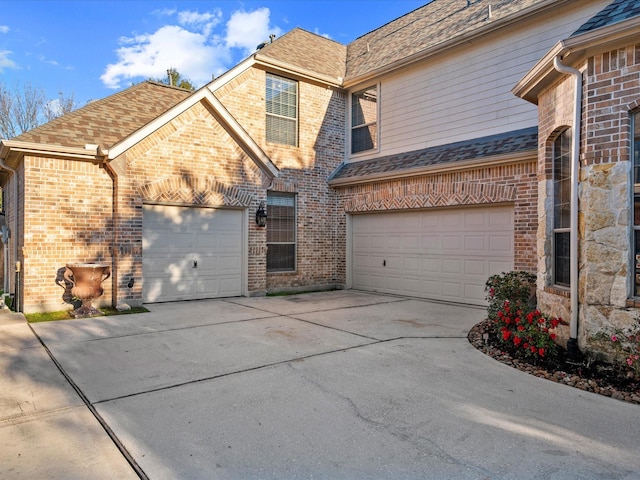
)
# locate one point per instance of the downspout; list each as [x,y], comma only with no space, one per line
[572,343]
[115,219]
[14,174]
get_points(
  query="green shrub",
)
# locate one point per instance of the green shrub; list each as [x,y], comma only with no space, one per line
[517,287]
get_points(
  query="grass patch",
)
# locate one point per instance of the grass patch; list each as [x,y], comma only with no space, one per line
[65,314]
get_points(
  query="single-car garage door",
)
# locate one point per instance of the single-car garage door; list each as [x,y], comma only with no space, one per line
[191,253]
[438,254]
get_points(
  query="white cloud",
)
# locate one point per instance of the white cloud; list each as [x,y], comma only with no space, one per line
[150,56]
[246,30]
[192,47]
[4,29]
[5,61]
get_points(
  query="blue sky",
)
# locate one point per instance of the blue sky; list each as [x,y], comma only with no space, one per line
[92,49]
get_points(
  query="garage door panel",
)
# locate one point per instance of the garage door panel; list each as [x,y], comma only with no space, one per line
[450,265]
[439,254]
[191,253]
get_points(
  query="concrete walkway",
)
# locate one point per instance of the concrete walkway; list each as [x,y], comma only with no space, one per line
[336,385]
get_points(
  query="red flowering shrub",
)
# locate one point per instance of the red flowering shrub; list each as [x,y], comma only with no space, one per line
[525,333]
[626,344]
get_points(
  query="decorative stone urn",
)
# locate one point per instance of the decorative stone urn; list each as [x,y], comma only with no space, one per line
[86,280]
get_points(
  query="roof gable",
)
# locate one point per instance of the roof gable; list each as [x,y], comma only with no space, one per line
[110,120]
[308,52]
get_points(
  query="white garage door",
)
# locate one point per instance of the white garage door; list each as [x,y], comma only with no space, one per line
[442,254]
[191,253]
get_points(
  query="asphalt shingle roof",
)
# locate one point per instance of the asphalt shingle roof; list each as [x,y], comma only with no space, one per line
[503,143]
[429,26]
[110,120]
[617,11]
[309,51]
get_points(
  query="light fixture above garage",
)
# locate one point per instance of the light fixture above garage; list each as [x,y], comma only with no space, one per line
[261,216]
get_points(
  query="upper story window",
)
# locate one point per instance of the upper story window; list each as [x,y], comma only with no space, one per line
[635,155]
[281,232]
[562,208]
[282,110]
[364,120]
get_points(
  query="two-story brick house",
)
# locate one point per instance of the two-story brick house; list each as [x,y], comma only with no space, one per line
[400,163]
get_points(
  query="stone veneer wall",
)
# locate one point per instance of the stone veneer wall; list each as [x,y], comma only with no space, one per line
[611,93]
[501,184]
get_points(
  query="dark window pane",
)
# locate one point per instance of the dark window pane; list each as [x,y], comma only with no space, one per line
[561,206]
[363,138]
[281,257]
[562,258]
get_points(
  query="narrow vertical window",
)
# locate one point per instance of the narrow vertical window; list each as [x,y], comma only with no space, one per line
[562,208]
[635,154]
[282,110]
[364,120]
[281,232]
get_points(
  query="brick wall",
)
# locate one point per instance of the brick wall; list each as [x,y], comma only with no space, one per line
[304,170]
[67,218]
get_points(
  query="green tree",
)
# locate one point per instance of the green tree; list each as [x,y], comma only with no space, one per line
[176,79]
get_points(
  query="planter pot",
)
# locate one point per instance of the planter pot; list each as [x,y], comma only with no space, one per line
[86,280]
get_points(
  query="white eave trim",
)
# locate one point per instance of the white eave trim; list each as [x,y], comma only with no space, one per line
[16,146]
[497,160]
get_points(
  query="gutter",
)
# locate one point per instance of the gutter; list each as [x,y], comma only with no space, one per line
[572,343]
[115,218]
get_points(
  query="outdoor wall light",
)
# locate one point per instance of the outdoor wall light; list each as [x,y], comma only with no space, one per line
[261,216]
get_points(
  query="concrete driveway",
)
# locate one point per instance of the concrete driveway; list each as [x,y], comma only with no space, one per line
[336,385]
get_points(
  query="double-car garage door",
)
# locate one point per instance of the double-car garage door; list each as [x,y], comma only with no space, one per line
[438,254]
[191,253]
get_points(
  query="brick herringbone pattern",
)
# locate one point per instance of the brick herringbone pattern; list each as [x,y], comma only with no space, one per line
[439,195]
[190,190]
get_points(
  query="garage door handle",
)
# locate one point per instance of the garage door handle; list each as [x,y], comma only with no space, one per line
[195,264]
[384,263]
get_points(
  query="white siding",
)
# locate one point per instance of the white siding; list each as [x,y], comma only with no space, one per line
[466,93]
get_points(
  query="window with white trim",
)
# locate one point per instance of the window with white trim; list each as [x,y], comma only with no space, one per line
[282,110]
[281,232]
[364,120]
[562,208]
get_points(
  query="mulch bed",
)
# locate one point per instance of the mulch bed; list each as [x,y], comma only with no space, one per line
[580,373]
